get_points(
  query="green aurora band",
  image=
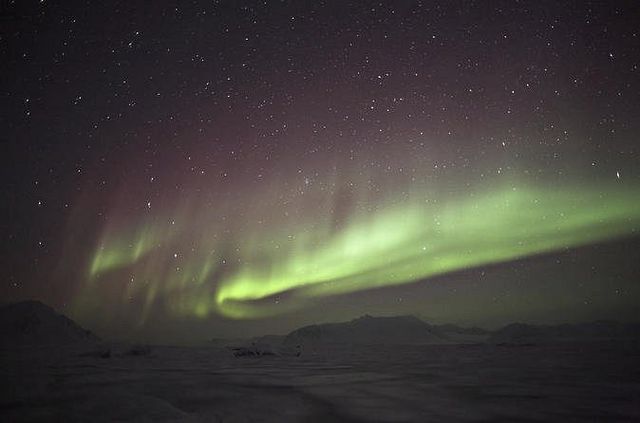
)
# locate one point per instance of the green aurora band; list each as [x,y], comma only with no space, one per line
[402,243]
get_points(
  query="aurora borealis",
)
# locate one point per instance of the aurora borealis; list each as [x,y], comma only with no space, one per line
[386,247]
[243,167]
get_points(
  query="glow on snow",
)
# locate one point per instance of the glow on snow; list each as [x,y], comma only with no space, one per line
[244,274]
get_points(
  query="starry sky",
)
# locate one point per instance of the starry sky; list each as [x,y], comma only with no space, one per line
[229,168]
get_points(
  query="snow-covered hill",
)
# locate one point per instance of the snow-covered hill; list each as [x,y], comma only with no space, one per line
[34,323]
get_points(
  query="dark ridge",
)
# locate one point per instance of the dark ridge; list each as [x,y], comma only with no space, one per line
[34,323]
[368,330]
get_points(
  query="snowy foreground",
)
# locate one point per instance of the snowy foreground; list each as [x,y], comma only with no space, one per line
[566,382]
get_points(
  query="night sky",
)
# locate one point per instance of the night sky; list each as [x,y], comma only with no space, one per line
[189,170]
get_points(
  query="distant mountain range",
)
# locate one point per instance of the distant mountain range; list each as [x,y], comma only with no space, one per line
[408,330]
[521,333]
[31,323]
[368,330]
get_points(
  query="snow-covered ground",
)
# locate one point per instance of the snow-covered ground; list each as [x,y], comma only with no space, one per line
[567,382]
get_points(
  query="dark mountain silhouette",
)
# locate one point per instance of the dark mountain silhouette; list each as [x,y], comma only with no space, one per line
[368,330]
[34,323]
